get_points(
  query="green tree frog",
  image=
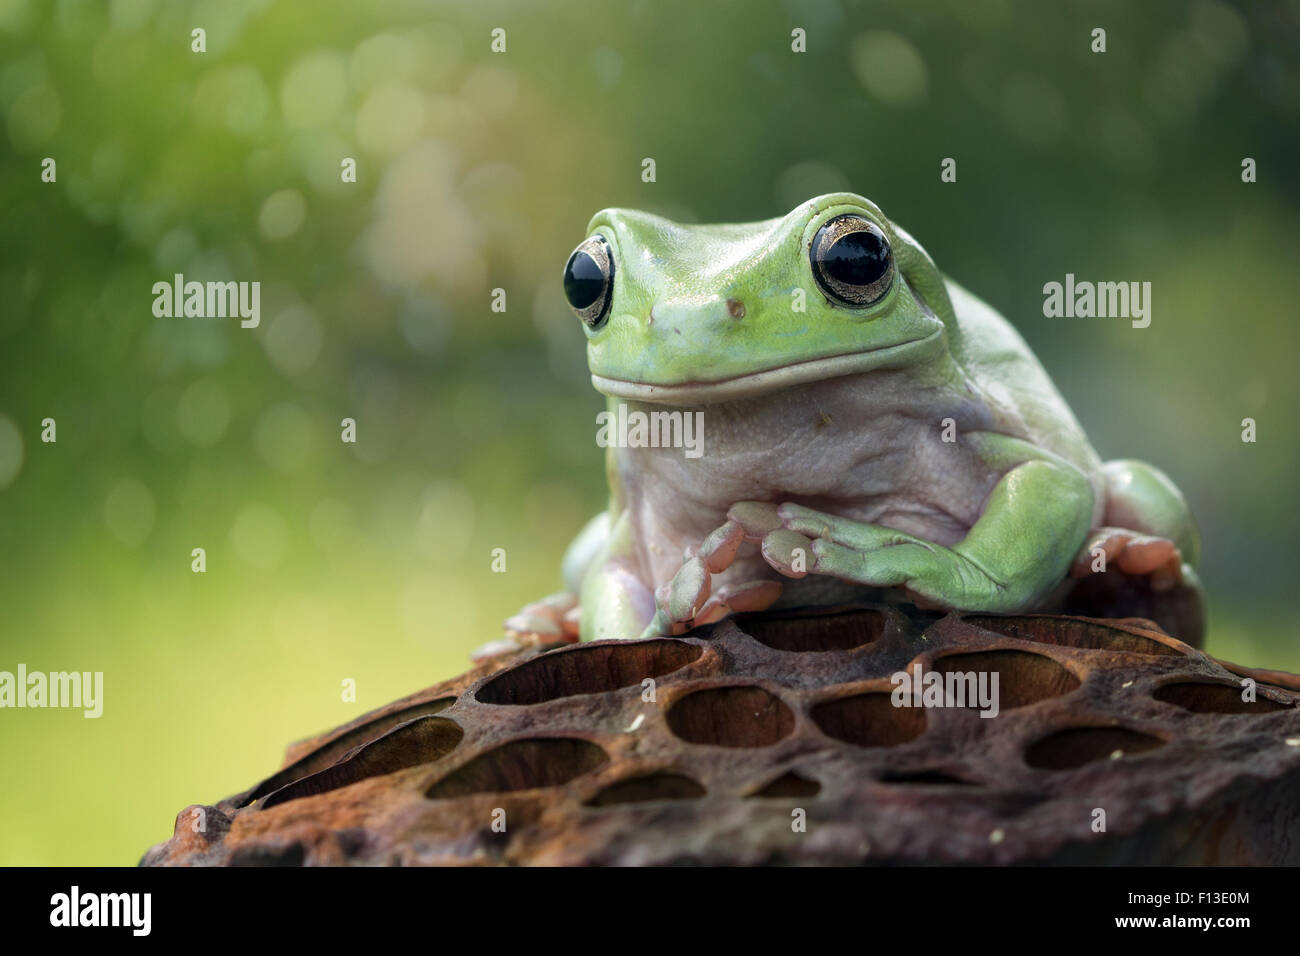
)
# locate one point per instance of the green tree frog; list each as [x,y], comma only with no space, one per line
[869,427]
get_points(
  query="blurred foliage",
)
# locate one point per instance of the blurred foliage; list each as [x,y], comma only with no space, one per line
[479,170]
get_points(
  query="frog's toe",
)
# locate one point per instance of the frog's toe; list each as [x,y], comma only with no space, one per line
[544,618]
[788,552]
[1107,542]
[757,518]
[719,549]
[808,521]
[503,647]
[858,535]
[1132,552]
[879,567]
[571,623]
[685,595]
[661,625]
[552,620]
[752,596]
[526,622]
[1146,555]
[739,599]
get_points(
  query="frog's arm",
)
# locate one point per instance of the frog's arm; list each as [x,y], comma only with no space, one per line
[1017,551]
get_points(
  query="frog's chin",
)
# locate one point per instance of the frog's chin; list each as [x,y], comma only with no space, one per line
[767,380]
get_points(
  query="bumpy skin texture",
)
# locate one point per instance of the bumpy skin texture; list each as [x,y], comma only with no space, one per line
[826,473]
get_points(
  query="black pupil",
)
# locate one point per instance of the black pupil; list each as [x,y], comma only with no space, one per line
[860,258]
[583,280]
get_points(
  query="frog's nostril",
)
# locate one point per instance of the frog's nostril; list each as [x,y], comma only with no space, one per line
[736,308]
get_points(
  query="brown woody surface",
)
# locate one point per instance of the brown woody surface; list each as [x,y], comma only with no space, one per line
[756,723]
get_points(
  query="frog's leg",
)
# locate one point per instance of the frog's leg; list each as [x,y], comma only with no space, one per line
[1150,544]
[1148,528]
[616,604]
[552,617]
[550,620]
[1141,497]
[1017,551]
[556,617]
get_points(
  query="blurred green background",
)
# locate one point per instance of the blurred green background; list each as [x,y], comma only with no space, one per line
[477,171]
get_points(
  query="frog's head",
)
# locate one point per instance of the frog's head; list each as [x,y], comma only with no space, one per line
[698,314]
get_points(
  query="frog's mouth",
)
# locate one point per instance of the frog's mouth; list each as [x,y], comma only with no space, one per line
[766,380]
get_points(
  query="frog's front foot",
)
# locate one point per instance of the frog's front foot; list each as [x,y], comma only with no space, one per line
[689,600]
[1132,552]
[552,620]
[797,540]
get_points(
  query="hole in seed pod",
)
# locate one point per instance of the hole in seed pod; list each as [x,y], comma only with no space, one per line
[422,740]
[1072,632]
[869,720]
[814,632]
[1023,678]
[731,717]
[522,765]
[351,841]
[1215,699]
[1067,749]
[327,755]
[927,778]
[789,784]
[654,786]
[290,854]
[587,670]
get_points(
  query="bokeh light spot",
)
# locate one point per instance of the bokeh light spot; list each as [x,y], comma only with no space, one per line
[491,90]
[175,248]
[282,214]
[608,66]
[129,511]
[890,68]
[390,118]
[233,97]
[422,227]
[385,56]
[285,438]
[293,340]
[203,412]
[314,91]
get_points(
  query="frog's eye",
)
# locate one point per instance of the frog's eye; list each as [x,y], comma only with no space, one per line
[851,260]
[589,281]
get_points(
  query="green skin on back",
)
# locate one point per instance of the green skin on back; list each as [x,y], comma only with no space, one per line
[913,442]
